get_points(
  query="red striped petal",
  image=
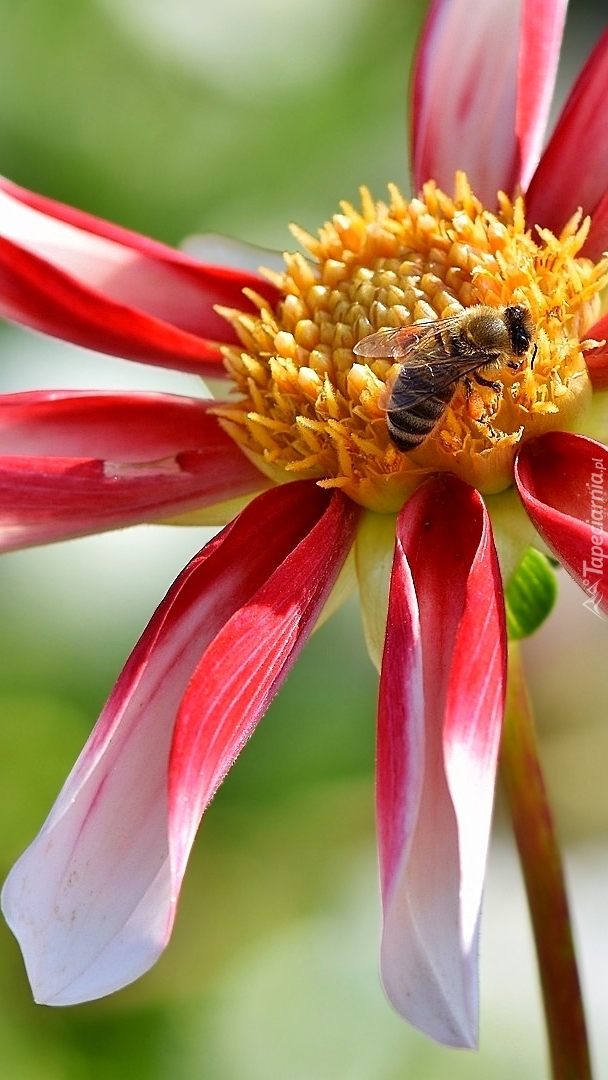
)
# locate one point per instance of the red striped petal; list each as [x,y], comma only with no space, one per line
[242,669]
[79,278]
[441,705]
[91,900]
[76,463]
[540,43]
[562,481]
[482,85]
[573,171]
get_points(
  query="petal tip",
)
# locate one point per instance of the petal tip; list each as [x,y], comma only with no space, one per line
[446,1017]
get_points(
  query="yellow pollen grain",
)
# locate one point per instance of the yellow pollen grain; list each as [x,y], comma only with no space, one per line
[308,406]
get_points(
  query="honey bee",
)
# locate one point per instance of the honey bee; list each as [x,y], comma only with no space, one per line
[437,354]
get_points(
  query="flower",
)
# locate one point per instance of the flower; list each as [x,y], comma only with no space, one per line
[93,899]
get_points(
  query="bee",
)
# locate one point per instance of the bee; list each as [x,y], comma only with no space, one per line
[438,354]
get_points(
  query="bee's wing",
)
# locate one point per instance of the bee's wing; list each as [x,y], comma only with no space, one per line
[428,375]
[395,344]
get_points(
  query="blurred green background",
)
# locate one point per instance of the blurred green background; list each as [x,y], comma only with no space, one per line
[237,118]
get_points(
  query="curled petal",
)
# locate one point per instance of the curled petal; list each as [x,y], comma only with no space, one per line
[441,704]
[597,359]
[482,86]
[69,274]
[92,901]
[77,463]
[573,171]
[562,481]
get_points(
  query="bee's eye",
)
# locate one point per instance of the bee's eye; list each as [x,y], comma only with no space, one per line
[521,340]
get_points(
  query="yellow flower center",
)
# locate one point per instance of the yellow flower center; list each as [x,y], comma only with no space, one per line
[309,407]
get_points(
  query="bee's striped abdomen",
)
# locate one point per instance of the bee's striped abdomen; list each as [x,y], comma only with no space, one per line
[408,427]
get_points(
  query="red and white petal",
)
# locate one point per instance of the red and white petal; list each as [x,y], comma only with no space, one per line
[77,463]
[441,706]
[563,483]
[92,901]
[79,278]
[482,85]
[573,171]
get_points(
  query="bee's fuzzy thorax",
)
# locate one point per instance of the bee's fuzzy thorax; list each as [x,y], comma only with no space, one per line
[307,407]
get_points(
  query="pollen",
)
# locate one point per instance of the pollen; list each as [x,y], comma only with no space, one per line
[305,405]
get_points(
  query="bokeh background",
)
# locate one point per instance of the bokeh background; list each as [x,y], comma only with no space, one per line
[237,118]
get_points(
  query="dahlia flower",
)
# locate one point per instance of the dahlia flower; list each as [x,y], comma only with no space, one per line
[298,448]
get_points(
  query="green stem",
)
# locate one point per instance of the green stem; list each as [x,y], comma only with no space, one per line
[544,879]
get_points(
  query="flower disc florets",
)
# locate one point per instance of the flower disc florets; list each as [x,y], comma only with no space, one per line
[310,408]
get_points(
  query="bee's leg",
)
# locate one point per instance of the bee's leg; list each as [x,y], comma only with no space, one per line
[478,414]
[495,386]
[481,418]
[475,408]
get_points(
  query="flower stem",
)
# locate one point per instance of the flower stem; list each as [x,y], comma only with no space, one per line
[545,886]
